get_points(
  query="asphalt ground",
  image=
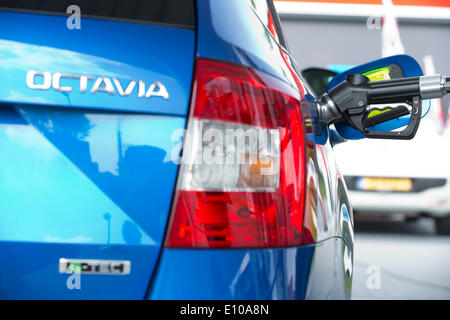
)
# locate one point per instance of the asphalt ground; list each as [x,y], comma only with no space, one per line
[400,260]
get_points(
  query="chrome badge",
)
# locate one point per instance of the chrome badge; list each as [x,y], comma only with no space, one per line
[88,266]
[44,80]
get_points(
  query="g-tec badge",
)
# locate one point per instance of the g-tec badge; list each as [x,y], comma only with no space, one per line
[88,266]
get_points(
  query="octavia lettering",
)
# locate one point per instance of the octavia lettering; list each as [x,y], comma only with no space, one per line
[44,80]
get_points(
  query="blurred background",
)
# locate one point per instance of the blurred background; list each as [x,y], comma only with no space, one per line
[400,190]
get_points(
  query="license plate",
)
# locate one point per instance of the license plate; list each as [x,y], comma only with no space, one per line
[384,184]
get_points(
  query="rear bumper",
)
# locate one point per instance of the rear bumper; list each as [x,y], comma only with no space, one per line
[233,274]
[251,274]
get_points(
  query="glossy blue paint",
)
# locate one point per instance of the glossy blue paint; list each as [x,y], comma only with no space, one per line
[29,270]
[233,274]
[305,272]
[87,176]
[338,67]
[100,48]
[244,41]
[84,179]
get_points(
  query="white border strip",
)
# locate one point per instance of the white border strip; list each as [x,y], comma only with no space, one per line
[360,10]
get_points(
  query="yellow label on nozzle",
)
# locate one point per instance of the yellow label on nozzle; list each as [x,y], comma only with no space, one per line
[378,74]
[377,112]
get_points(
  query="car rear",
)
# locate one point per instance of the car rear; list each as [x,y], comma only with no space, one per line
[102,180]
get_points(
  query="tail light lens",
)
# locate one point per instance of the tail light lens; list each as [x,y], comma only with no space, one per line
[242,177]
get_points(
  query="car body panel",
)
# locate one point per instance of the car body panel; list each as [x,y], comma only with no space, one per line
[87,176]
[121,154]
[245,41]
[29,271]
[96,50]
[305,272]
[218,38]
[89,184]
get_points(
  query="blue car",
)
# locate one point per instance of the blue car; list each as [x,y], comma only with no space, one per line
[163,149]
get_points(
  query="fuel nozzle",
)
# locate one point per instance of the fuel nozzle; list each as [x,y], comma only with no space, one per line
[349,101]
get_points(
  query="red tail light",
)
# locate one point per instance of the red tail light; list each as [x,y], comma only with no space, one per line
[235,192]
